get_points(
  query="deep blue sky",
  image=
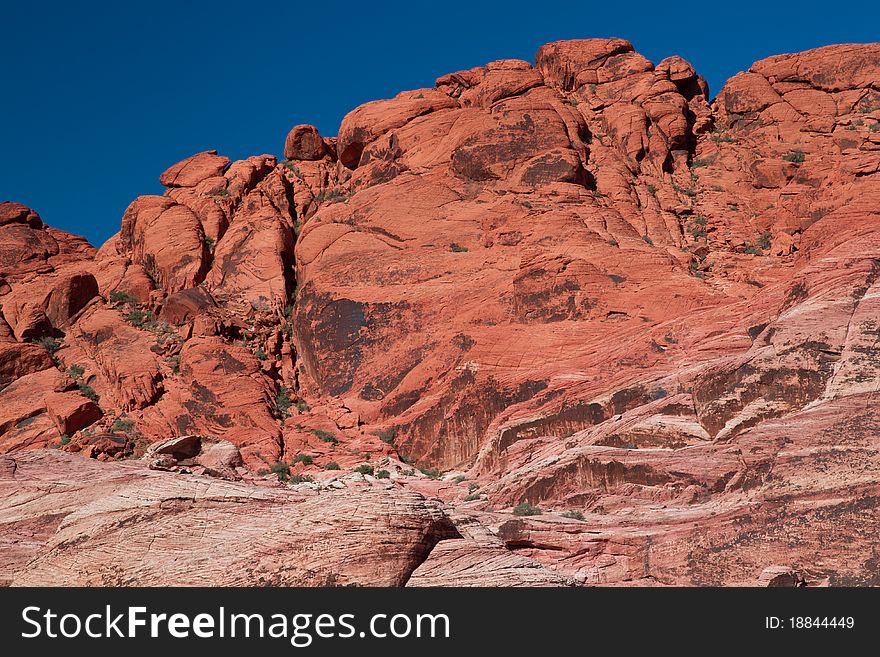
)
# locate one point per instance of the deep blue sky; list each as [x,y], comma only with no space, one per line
[99,98]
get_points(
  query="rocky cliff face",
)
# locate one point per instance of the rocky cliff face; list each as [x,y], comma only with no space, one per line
[578,287]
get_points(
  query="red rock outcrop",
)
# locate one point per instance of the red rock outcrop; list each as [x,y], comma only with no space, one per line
[581,286]
[304,142]
[194,169]
[20,358]
[29,247]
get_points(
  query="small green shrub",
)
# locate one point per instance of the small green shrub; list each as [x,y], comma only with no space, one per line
[281,470]
[87,391]
[364,469]
[209,243]
[457,248]
[526,204]
[472,497]
[49,343]
[326,436]
[75,372]
[305,459]
[64,439]
[874,127]
[526,509]
[299,479]
[574,515]
[795,156]
[687,191]
[302,405]
[723,139]
[652,189]
[409,472]
[118,297]
[281,407]
[287,311]
[137,317]
[122,424]
[260,354]
[386,435]
[332,465]
[335,195]
[764,240]
[431,473]
[751,249]
[383,474]
[290,166]
[696,164]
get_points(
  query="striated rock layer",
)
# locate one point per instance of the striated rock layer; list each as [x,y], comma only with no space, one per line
[80,522]
[645,320]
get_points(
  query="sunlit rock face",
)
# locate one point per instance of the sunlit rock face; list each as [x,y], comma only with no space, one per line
[576,287]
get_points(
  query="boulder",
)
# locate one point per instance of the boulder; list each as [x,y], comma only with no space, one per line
[20,359]
[194,169]
[304,142]
[70,412]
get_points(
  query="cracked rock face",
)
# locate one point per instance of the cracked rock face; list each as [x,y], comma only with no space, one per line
[577,285]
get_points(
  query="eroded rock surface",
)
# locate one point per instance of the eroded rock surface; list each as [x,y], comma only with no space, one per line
[73,521]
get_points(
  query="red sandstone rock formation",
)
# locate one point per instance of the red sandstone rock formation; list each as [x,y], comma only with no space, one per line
[581,285]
